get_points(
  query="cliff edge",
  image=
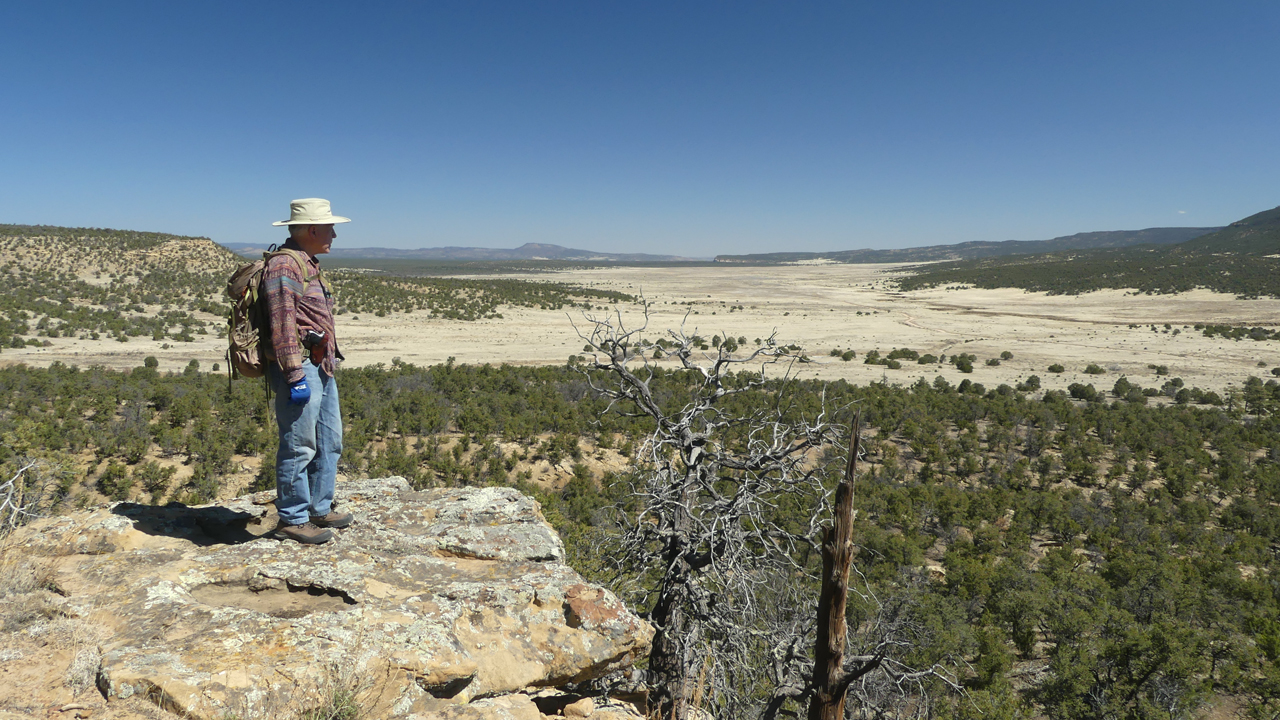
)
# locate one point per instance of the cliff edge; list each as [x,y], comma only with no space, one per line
[451,603]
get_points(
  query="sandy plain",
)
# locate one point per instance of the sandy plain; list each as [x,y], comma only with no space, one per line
[818,307]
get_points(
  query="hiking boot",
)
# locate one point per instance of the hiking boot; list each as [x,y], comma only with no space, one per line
[333,520]
[306,533]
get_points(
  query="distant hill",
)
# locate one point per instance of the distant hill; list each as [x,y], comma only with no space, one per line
[982,249]
[528,251]
[102,284]
[1255,235]
[98,283]
[81,251]
[1242,258]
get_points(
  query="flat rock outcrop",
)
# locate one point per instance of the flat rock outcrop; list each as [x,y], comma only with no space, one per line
[440,603]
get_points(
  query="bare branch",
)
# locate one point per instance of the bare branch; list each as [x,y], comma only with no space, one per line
[18,504]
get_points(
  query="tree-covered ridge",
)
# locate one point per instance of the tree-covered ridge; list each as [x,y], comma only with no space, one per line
[1240,259]
[1257,234]
[1091,558]
[978,249]
[95,254]
[1148,270]
[116,284]
[110,285]
[94,238]
[458,299]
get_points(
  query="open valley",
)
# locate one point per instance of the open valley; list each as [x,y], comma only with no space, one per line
[817,307]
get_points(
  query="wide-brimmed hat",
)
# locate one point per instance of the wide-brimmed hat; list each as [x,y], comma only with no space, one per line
[311,211]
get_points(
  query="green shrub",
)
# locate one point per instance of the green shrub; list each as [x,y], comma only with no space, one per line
[114,481]
[153,478]
[1122,387]
[1083,392]
[1056,368]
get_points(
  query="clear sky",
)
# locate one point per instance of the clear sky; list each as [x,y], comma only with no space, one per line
[691,128]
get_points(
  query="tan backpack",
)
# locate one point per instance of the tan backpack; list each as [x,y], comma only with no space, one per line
[248,327]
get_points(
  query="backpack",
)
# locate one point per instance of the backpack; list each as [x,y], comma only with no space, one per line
[248,327]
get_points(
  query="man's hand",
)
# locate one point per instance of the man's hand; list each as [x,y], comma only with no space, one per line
[299,393]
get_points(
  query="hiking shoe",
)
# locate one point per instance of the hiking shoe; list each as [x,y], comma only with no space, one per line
[332,520]
[306,533]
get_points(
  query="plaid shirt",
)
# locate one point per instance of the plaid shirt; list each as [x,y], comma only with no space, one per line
[294,309]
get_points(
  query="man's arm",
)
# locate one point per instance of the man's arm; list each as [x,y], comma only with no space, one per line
[284,287]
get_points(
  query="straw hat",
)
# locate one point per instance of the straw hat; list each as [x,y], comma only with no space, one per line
[311,211]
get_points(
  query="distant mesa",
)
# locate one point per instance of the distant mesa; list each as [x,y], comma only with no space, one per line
[1258,234]
[528,251]
[981,249]
[1242,259]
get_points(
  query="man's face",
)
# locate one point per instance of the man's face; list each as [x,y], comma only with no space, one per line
[317,239]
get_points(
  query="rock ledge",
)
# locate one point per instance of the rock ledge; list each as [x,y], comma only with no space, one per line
[442,603]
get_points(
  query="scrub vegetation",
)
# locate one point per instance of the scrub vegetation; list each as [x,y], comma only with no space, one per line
[1094,553]
[456,299]
[1087,557]
[98,284]
[1241,259]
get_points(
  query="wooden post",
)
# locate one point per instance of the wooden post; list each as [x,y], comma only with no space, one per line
[830,681]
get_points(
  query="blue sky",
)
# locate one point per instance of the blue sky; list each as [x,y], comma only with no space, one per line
[691,128]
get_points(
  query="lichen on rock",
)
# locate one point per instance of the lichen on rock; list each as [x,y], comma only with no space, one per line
[432,601]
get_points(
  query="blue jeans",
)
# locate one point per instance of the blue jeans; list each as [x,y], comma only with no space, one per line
[310,445]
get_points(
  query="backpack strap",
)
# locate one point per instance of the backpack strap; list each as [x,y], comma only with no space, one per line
[303,265]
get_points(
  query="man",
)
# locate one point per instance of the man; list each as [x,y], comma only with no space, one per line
[300,310]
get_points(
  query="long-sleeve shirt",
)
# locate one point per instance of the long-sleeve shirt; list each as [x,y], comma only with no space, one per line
[295,306]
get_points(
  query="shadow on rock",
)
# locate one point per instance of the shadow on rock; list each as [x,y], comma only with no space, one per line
[203,525]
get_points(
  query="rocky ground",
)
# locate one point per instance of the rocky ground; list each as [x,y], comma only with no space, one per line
[435,604]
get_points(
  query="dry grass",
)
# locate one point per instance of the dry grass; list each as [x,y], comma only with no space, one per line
[27,586]
[50,654]
[345,691]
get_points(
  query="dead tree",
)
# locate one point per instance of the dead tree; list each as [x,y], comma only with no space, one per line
[706,487]
[831,679]
[825,675]
[26,495]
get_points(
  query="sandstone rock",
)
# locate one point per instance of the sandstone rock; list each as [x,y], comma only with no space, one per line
[507,707]
[580,709]
[431,600]
[617,711]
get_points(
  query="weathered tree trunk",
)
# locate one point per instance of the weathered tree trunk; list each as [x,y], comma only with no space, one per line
[704,528]
[669,662]
[830,680]
[669,655]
